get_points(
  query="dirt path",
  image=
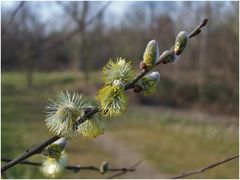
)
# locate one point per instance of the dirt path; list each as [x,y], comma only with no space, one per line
[125,156]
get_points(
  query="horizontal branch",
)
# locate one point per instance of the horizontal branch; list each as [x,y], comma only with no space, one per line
[74,168]
[77,168]
[123,171]
[210,166]
[95,110]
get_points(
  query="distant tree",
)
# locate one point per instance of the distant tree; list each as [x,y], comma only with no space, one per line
[31,38]
[83,16]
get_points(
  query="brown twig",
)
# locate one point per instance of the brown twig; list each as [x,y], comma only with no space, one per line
[129,85]
[123,171]
[27,154]
[12,17]
[75,168]
[210,166]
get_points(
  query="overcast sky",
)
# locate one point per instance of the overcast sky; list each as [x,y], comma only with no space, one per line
[47,8]
[51,12]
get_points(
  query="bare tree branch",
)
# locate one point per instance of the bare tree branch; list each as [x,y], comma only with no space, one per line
[91,20]
[72,12]
[75,168]
[12,17]
[206,168]
[60,42]
[95,110]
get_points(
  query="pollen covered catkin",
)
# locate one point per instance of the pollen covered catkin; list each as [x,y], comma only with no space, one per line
[92,128]
[63,113]
[52,168]
[117,70]
[112,100]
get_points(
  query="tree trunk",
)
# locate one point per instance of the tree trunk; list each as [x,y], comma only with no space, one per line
[29,77]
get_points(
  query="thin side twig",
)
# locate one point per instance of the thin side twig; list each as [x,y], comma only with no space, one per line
[95,110]
[123,171]
[210,166]
[74,168]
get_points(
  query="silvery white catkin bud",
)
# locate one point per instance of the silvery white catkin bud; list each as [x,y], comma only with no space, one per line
[181,42]
[118,83]
[150,83]
[62,143]
[151,53]
[155,76]
[104,167]
[169,59]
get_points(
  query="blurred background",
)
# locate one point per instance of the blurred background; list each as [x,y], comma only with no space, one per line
[190,122]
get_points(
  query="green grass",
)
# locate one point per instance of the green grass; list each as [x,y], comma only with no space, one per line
[171,143]
[177,144]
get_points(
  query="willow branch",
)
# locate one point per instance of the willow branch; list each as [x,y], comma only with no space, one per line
[123,171]
[28,153]
[74,168]
[38,149]
[95,110]
[206,168]
[162,57]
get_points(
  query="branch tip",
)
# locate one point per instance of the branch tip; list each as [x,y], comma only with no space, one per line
[204,22]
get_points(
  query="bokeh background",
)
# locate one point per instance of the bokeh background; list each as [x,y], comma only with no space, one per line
[190,122]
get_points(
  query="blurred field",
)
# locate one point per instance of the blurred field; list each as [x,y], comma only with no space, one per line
[171,142]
